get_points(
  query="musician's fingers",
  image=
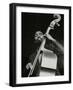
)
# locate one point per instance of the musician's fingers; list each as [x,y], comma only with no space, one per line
[29,66]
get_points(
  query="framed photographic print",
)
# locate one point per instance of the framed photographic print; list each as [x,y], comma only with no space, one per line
[40,44]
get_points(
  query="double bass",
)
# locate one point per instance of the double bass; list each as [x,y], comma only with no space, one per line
[50,27]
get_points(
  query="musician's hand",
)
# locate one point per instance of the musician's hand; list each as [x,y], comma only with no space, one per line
[29,66]
[49,37]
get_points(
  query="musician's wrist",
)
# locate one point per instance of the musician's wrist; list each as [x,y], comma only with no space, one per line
[50,37]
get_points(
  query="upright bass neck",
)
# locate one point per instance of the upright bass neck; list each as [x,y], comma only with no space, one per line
[35,60]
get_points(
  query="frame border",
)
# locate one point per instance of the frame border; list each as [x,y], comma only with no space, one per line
[12,43]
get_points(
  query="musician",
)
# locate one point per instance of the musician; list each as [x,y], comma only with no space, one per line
[51,44]
[38,39]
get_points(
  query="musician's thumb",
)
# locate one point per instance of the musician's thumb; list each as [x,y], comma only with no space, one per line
[29,66]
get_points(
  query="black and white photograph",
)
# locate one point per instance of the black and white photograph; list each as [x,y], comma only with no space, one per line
[40,44]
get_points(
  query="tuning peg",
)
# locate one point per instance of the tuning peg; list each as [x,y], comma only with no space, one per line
[58,24]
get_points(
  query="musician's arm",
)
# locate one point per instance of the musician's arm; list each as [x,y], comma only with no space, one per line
[58,48]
